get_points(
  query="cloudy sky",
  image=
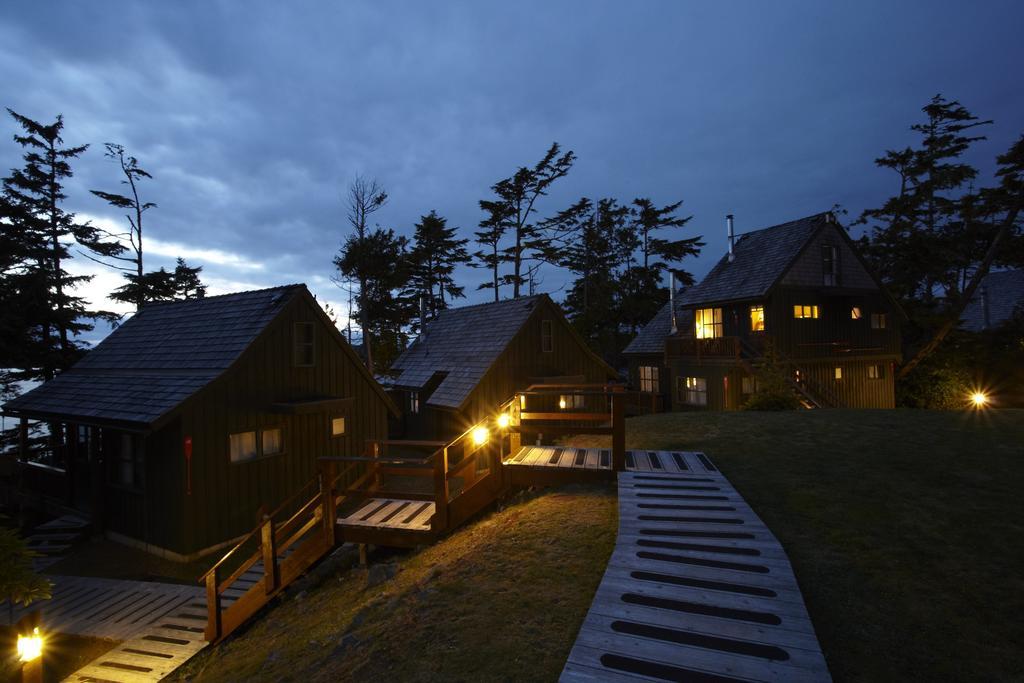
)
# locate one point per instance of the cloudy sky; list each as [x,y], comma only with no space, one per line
[254,116]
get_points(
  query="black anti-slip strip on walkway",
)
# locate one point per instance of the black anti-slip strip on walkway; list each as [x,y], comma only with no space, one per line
[699,547]
[663,672]
[731,535]
[702,583]
[663,477]
[671,635]
[676,486]
[690,520]
[606,458]
[630,460]
[705,610]
[581,456]
[556,456]
[680,496]
[655,460]
[672,506]
[701,562]
[680,461]
[707,463]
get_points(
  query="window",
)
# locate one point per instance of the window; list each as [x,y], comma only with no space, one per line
[522,401]
[839,372]
[830,265]
[708,323]
[748,385]
[243,446]
[875,372]
[547,342]
[800,311]
[693,391]
[414,402]
[878,321]
[127,465]
[649,379]
[305,347]
[798,376]
[570,401]
[272,441]
[338,426]
[757,318]
[855,313]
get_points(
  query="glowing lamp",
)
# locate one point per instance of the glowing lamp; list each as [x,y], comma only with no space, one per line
[561,402]
[480,436]
[503,421]
[31,646]
[979,399]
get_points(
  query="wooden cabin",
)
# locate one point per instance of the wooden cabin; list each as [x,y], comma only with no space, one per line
[800,289]
[176,430]
[470,359]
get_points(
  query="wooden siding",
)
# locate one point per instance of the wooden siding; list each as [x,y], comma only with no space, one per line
[226,497]
[813,338]
[807,270]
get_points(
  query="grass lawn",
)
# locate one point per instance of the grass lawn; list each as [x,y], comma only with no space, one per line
[62,654]
[905,528]
[499,600]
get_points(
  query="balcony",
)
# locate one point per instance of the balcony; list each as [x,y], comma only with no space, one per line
[720,347]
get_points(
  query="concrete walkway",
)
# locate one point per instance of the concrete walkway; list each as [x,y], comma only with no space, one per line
[697,588]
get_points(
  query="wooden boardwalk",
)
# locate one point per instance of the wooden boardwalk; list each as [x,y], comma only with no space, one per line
[391,514]
[697,587]
[600,459]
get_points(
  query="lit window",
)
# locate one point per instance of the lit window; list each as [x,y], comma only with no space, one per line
[570,401]
[693,390]
[855,313]
[649,379]
[338,426]
[748,385]
[305,347]
[800,311]
[243,446]
[272,441]
[839,372]
[830,265]
[875,372]
[798,376]
[708,323]
[522,401]
[757,318]
[547,342]
[878,321]
[414,402]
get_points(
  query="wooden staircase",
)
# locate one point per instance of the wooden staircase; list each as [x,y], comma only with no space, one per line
[811,394]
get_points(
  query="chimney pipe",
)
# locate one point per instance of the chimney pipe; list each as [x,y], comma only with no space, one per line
[672,301]
[732,237]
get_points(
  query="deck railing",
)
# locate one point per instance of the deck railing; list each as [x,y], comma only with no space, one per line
[719,347]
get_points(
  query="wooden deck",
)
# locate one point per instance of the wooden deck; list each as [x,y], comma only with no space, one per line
[388,513]
[543,465]
[697,588]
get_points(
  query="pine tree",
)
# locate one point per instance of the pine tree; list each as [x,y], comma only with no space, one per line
[435,254]
[492,232]
[46,232]
[160,285]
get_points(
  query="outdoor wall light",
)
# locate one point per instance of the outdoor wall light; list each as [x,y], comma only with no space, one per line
[979,399]
[480,436]
[503,420]
[30,647]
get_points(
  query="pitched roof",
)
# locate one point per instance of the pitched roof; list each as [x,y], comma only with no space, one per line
[159,357]
[464,343]
[761,258]
[651,337]
[1004,291]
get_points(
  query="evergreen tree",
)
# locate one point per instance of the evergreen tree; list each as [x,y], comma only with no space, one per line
[160,285]
[492,232]
[515,203]
[130,202]
[435,253]
[44,232]
[380,260]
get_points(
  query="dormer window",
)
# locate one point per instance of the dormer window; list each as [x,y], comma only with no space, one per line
[830,265]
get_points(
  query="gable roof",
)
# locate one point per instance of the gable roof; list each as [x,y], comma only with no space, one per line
[159,357]
[762,257]
[1004,291]
[651,337]
[461,344]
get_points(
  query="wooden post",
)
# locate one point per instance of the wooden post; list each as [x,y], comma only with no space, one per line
[269,546]
[23,439]
[376,466]
[213,626]
[618,430]
[439,522]
[514,438]
[327,502]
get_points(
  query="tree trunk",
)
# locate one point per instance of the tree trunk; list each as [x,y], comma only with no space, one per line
[954,319]
[364,322]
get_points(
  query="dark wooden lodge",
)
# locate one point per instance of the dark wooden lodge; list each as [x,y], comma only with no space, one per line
[473,358]
[176,430]
[800,289]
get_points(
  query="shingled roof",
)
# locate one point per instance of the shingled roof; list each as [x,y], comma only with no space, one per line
[159,357]
[464,343]
[651,337]
[761,258]
[1004,291]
